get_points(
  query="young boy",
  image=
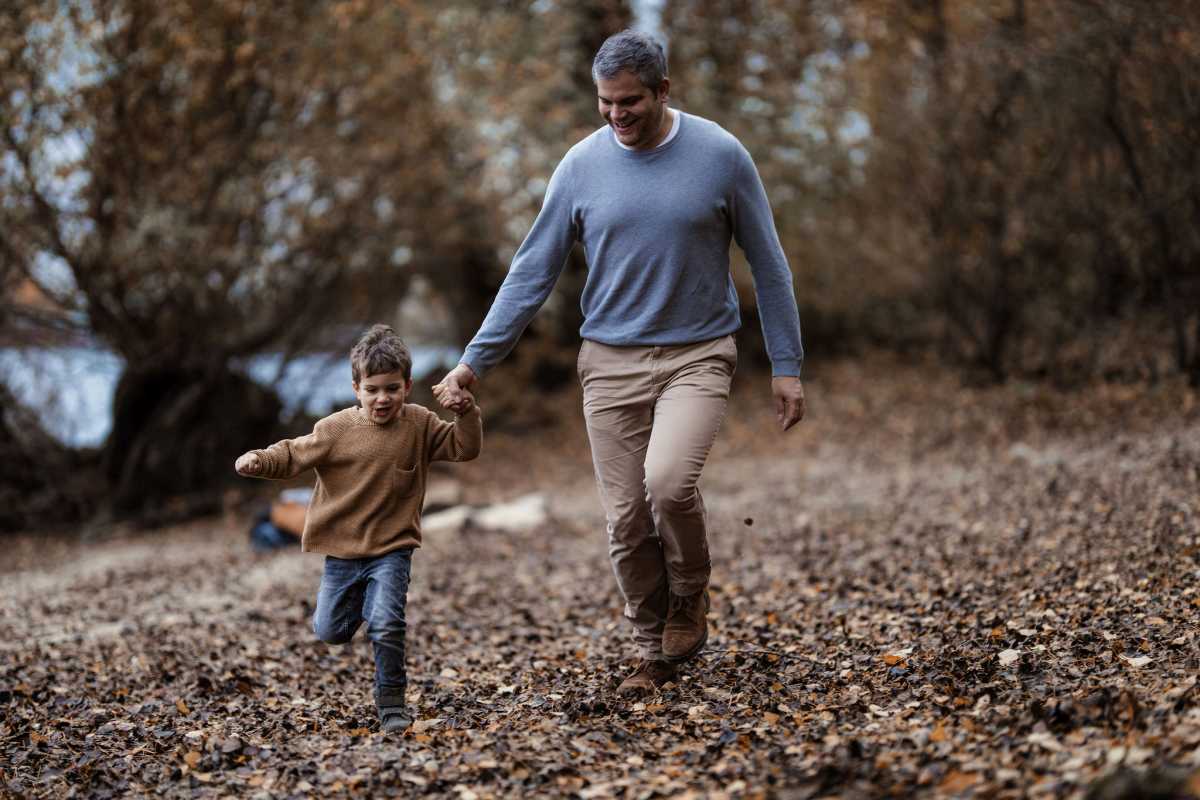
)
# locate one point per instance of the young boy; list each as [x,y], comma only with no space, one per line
[372,463]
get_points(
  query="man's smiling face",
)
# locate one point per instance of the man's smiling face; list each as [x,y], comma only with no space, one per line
[636,114]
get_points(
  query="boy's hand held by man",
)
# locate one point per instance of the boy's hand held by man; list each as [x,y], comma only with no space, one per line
[452,392]
[248,464]
[465,403]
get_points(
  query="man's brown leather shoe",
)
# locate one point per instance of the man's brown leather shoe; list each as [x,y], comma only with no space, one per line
[686,630]
[648,676]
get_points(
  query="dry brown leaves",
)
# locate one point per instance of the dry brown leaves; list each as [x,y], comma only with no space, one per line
[927,590]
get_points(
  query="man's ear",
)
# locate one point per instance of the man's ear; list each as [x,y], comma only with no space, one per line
[664,89]
[408,386]
[354,383]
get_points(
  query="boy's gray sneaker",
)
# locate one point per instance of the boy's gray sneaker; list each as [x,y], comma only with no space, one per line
[394,719]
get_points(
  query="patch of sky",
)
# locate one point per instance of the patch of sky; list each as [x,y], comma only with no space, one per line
[808,90]
[347,188]
[754,105]
[499,130]
[790,155]
[444,86]
[402,255]
[806,121]
[647,16]
[309,111]
[855,128]
[832,26]
[385,209]
[10,171]
[54,273]
[69,389]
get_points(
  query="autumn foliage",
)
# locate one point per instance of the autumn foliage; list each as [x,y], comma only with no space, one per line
[1010,185]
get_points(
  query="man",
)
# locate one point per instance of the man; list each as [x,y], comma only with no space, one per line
[655,197]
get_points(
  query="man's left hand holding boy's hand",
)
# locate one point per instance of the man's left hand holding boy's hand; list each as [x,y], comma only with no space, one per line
[452,392]
[466,401]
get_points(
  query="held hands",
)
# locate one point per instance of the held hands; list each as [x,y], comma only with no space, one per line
[452,391]
[464,405]
[248,464]
[789,401]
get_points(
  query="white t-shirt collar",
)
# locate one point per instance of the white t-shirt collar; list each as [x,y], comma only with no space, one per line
[670,136]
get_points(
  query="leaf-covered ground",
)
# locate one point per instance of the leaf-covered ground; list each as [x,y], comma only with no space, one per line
[925,590]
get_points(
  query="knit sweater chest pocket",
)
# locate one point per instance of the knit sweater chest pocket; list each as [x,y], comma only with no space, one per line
[399,454]
[405,480]
[405,473]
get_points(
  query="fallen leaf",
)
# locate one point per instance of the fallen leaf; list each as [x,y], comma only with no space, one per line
[956,781]
[1045,740]
[1137,662]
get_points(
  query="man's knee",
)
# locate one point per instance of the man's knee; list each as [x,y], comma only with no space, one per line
[626,515]
[670,493]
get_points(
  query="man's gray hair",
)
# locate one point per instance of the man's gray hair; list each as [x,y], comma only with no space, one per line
[631,51]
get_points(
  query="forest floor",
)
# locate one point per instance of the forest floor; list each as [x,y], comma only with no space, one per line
[924,590]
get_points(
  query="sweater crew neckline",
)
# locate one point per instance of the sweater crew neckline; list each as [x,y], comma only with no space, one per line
[364,419]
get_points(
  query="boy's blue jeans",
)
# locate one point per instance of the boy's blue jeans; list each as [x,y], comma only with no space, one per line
[375,591]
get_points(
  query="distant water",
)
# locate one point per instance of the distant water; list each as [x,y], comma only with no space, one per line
[71,388]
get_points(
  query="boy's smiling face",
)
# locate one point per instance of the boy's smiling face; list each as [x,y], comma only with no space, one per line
[382,395]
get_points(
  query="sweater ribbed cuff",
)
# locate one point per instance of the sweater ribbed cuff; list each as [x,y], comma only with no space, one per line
[268,464]
[473,365]
[786,369]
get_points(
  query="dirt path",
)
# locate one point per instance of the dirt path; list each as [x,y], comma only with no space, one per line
[993,592]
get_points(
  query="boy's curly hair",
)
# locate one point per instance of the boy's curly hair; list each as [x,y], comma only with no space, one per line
[379,350]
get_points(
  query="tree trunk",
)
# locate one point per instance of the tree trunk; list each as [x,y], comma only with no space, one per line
[175,436]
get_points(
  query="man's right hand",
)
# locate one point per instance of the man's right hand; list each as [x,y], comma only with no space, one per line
[451,392]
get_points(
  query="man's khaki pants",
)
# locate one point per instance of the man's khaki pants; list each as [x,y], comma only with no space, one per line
[652,415]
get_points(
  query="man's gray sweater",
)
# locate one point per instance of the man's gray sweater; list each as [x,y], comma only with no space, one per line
[655,227]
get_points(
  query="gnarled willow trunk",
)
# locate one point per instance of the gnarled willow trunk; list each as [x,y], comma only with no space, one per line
[176,433]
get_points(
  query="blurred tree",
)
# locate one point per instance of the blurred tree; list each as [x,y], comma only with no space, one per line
[520,84]
[201,179]
[777,74]
[194,181]
[1042,155]
[1150,74]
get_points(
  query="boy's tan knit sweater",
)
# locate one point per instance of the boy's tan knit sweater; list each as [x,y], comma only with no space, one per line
[370,478]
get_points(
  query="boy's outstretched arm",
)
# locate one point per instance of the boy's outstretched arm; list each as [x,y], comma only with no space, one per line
[459,440]
[290,457]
